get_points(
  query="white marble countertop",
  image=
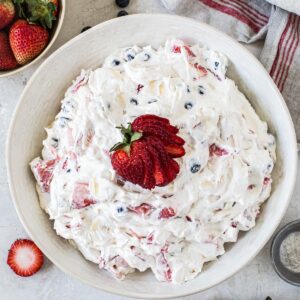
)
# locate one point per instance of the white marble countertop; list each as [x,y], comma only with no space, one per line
[256,281]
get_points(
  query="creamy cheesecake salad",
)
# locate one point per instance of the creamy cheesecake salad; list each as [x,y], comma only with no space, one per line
[222,180]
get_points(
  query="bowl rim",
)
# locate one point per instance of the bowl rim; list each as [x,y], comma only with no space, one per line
[292,173]
[61,17]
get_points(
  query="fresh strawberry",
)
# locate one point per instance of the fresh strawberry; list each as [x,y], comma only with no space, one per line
[44,173]
[143,209]
[55,3]
[7,13]
[25,258]
[7,59]
[81,196]
[27,41]
[145,157]
[215,150]
[202,71]
[41,12]
[166,213]
[175,150]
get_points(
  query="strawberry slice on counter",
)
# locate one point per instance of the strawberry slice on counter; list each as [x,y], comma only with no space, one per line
[25,258]
[145,156]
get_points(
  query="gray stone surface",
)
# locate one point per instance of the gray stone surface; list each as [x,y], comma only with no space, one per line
[256,281]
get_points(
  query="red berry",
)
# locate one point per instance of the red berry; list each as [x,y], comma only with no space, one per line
[7,59]
[214,150]
[25,258]
[7,13]
[166,213]
[145,157]
[27,40]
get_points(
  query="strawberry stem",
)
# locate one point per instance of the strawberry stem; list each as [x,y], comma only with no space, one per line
[129,137]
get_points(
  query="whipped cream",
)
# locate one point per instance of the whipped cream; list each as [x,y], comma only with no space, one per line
[224,176]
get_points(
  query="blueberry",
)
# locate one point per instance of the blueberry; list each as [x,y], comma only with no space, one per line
[55,144]
[152,101]
[188,89]
[201,89]
[195,168]
[216,64]
[130,57]
[147,57]
[115,62]
[122,13]
[63,121]
[69,170]
[122,3]
[85,28]
[120,209]
[188,105]
[134,101]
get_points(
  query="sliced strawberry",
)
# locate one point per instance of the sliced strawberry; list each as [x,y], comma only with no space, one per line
[45,170]
[81,196]
[176,49]
[144,209]
[149,181]
[267,180]
[159,174]
[151,144]
[175,150]
[139,87]
[149,117]
[189,51]
[25,258]
[166,213]
[202,71]
[215,150]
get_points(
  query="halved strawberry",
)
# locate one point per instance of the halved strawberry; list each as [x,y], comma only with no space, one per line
[202,71]
[189,51]
[166,213]
[25,258]
[81,196]
[174,150]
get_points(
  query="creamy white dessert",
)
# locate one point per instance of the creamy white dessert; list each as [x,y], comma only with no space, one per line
[224,176]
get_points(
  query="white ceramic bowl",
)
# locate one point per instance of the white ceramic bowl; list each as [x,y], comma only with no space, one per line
[40,102]
[53,35]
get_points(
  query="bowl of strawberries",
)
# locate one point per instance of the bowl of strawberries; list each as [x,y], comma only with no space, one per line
[28,29]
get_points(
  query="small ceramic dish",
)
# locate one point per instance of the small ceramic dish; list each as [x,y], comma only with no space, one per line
[283,272]
[53,35]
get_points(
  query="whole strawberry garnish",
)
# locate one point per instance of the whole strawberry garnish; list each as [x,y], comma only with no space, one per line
[145,156]
[25,258]
[7,59]
[27,40]
[7,12]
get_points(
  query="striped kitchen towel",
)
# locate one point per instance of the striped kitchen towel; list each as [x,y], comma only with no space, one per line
[270,32]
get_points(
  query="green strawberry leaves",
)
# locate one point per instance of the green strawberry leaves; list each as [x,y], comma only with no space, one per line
[129,138]
[37,11]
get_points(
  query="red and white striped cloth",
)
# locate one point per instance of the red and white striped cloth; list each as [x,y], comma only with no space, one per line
[270,32]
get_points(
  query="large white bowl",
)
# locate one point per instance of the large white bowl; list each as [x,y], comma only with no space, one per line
[40,102]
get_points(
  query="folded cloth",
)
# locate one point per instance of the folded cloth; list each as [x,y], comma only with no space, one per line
[271,33]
